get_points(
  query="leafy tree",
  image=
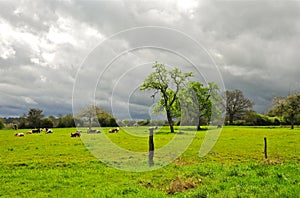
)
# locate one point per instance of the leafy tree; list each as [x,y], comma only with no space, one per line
[143,122]
[174,109]
[105,119]
[90,114]
[168,84]
[54,120]
[66,121]
[202,98]
[46,123]
[1,124]
[95,113]
[236,104]
[22,122]
[34,117]
[287,106]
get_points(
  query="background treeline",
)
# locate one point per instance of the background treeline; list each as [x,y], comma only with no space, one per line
[27,122]
[36,119]
[252,118]
[105,119]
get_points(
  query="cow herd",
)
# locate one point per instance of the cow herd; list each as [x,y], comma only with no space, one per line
[39,130]
[73,134]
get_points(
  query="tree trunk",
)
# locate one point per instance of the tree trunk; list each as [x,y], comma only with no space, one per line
[90,123]
[231,119]
[198,125]
[292,121]
[151,147]
[170,121]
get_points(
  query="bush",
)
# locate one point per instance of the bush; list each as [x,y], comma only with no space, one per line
[46,123]
[143,122]
[240,122]
[253,118]
[1,124]
[158,123]
[66,121]
[107,121]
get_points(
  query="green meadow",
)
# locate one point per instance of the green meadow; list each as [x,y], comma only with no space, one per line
[56,165]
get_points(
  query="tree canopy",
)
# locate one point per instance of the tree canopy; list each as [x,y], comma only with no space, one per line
[168,84]
[236,104]
[1,124]
[197,103]
[96,115]
[288,106]
[34,117]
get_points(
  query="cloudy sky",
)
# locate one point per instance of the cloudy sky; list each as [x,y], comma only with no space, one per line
[60,56]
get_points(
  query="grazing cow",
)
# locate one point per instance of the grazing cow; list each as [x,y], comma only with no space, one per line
[48,131]
[93,131]
[19,134]
[75,134]
[115,130]
[36,130]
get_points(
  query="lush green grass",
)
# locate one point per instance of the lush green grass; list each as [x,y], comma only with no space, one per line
[56,165]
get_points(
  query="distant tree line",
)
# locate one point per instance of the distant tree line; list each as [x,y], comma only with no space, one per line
[36,119]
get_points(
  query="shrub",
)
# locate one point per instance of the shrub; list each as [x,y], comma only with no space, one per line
[255,119]
[1,124]
[46,123]
[66,121]
[143,122]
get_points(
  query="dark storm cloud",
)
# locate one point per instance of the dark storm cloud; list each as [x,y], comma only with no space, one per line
[43,43]
[254,44]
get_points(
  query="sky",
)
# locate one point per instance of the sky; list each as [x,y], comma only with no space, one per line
[61,56]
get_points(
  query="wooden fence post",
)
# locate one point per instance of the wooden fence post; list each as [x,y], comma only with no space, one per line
[151,146]
[265,150]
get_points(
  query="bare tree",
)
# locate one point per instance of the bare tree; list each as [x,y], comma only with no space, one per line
[236,104]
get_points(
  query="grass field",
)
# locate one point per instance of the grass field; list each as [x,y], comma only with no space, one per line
[56,165]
